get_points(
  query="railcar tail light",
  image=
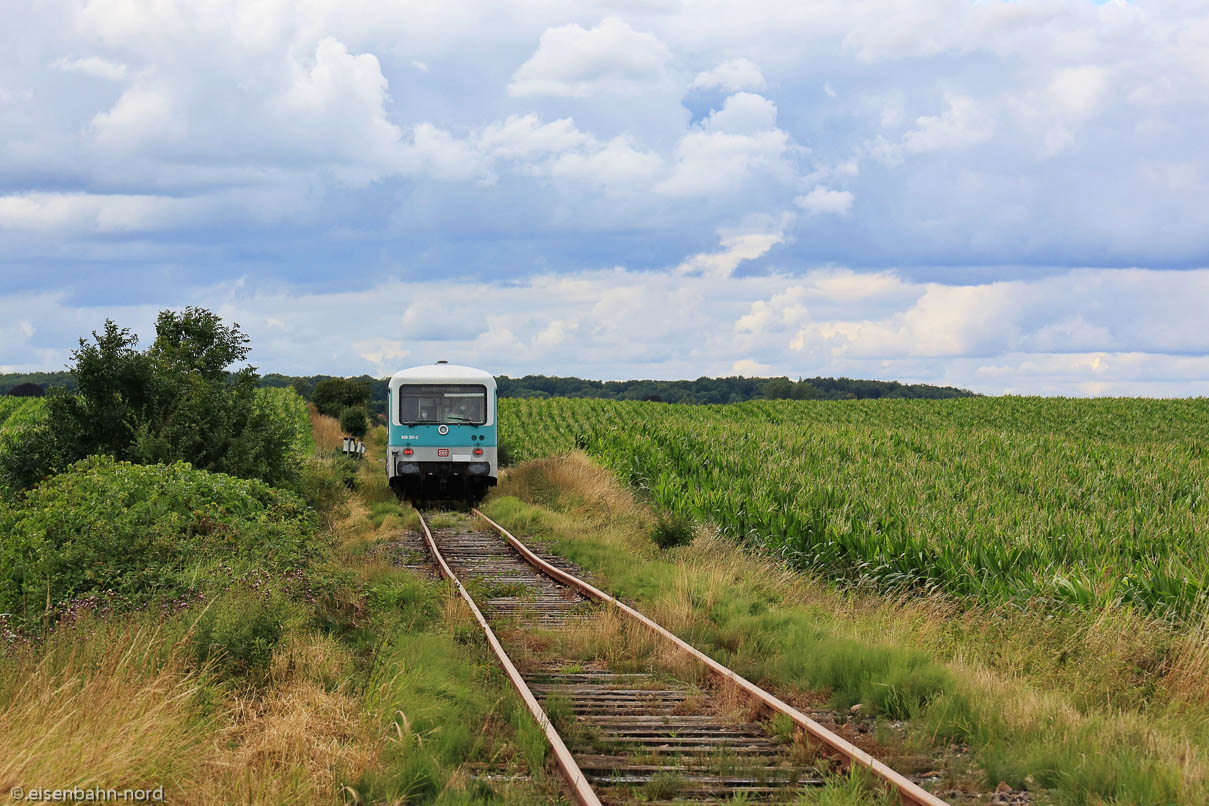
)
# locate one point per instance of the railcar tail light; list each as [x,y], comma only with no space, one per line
[478,451]
[408,451]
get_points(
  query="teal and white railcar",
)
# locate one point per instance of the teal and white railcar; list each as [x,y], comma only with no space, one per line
[442,425]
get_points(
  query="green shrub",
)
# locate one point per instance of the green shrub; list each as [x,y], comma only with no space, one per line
[354,422]
[27,455]
[238,632]
[140,533]
[672,530]
[503,454]
[322,485]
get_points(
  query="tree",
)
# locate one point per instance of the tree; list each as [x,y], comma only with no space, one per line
[179,400]
[334,395]
[353,422]
[27,390]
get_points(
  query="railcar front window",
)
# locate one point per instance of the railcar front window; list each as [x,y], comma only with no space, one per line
[445,404]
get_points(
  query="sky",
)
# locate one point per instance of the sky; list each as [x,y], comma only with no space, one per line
[1010,197]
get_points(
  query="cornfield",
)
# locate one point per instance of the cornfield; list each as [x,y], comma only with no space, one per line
[18,411]
[1075,502]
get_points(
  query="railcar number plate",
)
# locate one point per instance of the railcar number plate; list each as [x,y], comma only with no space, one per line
[442,451]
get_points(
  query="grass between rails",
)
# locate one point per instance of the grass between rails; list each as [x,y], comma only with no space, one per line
[606,639]
[227,677]
[1101,707]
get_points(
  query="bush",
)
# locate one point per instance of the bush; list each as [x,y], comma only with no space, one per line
[137,534]
[27,390]
[354,422]
[176,401]
[322,485]
[238,633]
[503,454]
[671,530]
[27,455]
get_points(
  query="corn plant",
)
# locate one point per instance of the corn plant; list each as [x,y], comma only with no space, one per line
[1080,503]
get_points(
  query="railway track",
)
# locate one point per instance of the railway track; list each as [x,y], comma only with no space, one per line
[622,733]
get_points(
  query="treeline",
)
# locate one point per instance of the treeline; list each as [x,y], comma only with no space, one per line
[700,391]
[722,390]
[23,383]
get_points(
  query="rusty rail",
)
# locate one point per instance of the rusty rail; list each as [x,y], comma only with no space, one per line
[580,787]
[908,791]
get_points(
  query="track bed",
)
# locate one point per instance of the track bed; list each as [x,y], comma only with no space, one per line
[638,734]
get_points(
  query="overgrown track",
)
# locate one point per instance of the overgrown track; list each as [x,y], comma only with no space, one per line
[636,734]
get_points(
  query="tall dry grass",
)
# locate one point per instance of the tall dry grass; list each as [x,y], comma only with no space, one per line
[111,705]
[328,434]
[117,704]
[298,741]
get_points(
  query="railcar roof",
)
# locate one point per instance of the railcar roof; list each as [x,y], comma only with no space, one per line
[442,373]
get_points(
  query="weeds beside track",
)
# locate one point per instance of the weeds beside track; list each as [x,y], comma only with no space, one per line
[665,724]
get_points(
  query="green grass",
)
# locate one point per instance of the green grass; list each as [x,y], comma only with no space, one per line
[744,626]
[444,701]
[854,789]
[1078,503]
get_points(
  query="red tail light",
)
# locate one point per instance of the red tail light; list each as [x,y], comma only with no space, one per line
[408,451]
[478,451]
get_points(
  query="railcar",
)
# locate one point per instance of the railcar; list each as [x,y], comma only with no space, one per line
[442,441]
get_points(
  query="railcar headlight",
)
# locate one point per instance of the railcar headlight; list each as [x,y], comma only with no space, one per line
[478,468]
[407,469]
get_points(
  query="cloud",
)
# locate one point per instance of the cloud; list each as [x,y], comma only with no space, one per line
[141,115]
[732,75]
[304,147]
[94,213]
[92,66]
[738,245]
[963,124]
[525,137]
[574,62]
[1077,90]
[1083,332]
[730,146]
[341,98]
[743,113]
[748,368]
[825,201]
[1082,311]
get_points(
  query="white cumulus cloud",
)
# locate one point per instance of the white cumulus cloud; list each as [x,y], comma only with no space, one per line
[575,62]
[731,145]
[92,66]
[732,75]
[825,201]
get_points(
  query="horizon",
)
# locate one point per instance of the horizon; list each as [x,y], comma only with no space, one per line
[802,378]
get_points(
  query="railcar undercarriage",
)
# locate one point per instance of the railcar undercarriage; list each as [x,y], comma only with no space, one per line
[441,482]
